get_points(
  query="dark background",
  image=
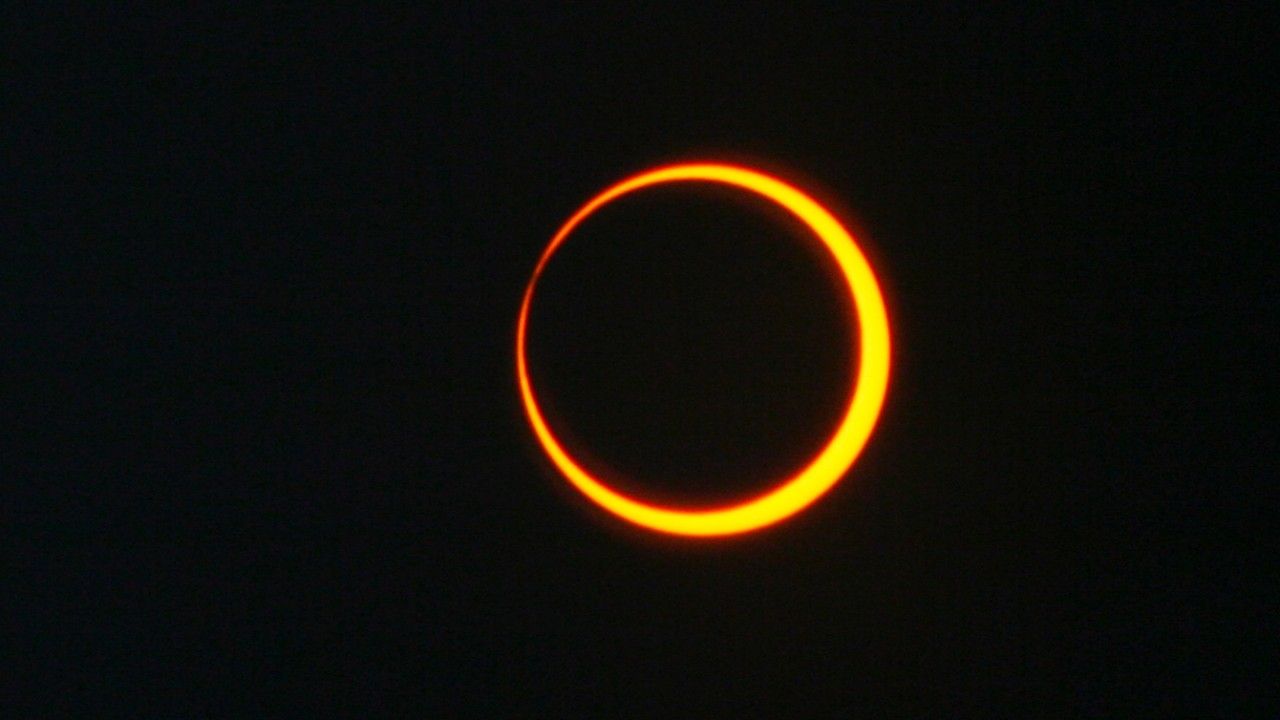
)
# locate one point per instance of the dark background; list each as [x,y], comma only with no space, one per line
[267,457]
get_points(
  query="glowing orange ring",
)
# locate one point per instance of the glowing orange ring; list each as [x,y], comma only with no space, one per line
[829,465]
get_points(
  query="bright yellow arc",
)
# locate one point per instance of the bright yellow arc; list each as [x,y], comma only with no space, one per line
[825,469]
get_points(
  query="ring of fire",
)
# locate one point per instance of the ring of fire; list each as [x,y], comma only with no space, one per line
[826,468]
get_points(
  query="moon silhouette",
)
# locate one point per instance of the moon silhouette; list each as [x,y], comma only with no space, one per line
[830,464]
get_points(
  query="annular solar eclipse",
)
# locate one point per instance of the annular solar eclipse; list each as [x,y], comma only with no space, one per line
[791,494]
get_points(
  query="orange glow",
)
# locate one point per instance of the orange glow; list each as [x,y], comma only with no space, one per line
[828,466]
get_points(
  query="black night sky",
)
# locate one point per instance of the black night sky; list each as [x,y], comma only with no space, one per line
[267,456]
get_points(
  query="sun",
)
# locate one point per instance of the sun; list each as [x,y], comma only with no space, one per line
[830,464]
